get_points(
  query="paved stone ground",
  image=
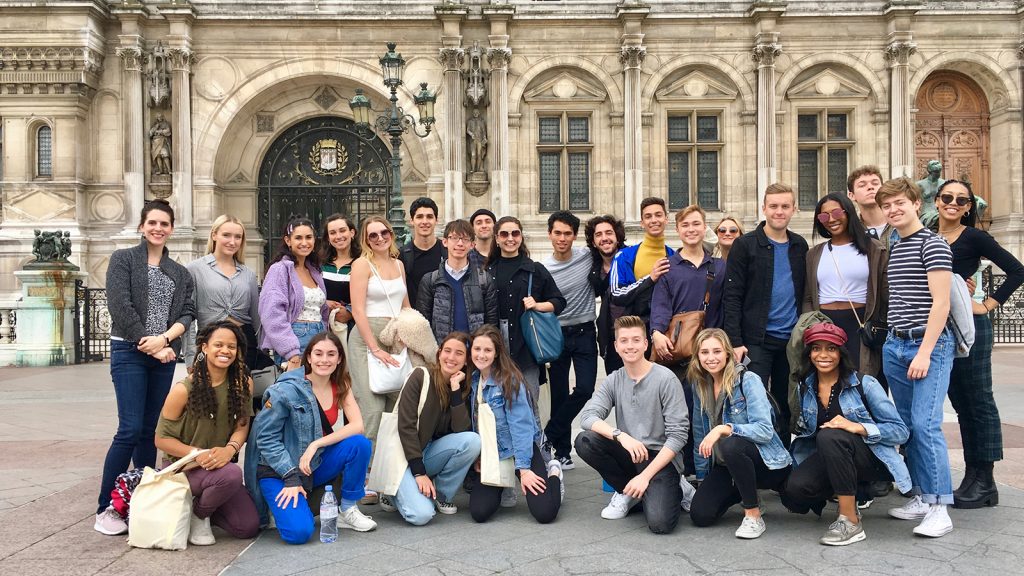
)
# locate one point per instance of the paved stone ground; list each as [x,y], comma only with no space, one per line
[56,423]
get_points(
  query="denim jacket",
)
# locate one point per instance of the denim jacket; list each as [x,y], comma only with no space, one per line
[885,428]
[748,412]
[280,433]
[517,427]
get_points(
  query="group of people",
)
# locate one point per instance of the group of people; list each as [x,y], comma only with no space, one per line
[786,385]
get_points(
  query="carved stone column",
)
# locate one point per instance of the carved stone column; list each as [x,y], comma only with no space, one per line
[901,138]
[1017,201]
[632,58]
[498,59]
[134,152]
[764,54]
[182,59]
[454,131]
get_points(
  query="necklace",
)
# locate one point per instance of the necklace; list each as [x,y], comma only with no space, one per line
[952,232]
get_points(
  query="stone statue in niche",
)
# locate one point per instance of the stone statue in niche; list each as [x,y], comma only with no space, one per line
[929,188]
[476,132]
[51,249]
[159,87]
[160,147]
[476,101]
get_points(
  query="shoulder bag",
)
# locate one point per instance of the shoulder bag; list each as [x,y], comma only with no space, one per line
[961,313]
[870,335]
[385,378]
[389,463]
[684,327]
[541,331]
[494,470]
[162,507]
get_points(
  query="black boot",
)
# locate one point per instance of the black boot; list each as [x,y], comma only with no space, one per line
[970,474]
[982,492]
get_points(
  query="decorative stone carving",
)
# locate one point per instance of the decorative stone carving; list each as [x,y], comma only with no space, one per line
[899,52]
[51,250]
[131,58]
[452,58]
[632,56]
[325,98]
[181,58]
[476,142]
[499,58]
[765,54]
[476,84]
[160,147]
[57,58]
[477,99]
[264,123]
[158,76]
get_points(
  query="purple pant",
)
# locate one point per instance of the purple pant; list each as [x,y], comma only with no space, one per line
[220,496]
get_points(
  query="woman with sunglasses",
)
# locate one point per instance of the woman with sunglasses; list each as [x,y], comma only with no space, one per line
[970,382]
[846,276]
[728,230]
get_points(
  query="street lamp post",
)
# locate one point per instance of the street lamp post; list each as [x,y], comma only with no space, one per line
[395,122]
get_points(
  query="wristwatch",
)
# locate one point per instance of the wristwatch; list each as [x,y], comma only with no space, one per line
[615,434]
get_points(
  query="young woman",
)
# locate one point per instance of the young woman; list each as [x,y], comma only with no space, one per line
[211,409]
[728,230]
[439,442]
[848,432]
[337,252]
[518,431]
[293,302]
[150,301]
[294,448]
[510,265]
[378,294]
[737,449]
[970,382]
[846,276]
[226,288]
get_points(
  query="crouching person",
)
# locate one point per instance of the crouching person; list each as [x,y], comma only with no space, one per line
[641,458]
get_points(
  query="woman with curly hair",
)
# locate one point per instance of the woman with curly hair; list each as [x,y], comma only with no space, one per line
[211,409]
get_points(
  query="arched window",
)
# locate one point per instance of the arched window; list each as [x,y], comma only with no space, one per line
[44,151]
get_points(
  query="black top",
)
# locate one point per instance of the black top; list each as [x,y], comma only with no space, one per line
[512,278]
[827,413]
[972,246]
[423,262]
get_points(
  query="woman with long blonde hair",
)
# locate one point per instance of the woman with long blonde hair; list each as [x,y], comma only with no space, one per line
[736,449]
[727,230]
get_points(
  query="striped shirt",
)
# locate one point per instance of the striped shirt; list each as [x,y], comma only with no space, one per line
[573,280]
[910,261]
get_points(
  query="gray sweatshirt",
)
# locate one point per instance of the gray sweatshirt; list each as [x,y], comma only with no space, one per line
[652,410]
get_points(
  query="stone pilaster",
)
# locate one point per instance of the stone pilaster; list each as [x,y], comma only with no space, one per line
[766,50]
[454,132]
[501,195]
[182,59]
[901,138]
[632,57]
[130,53]
[1017,200]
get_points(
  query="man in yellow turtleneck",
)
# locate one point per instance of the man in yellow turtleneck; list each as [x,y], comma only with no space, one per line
[635,269]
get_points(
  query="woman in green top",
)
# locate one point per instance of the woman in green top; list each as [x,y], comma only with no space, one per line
[337,251]
[212,410]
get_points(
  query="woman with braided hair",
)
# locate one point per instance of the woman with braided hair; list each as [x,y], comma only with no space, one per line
[212,409]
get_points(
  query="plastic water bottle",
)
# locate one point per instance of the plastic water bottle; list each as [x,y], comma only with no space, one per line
[328,516]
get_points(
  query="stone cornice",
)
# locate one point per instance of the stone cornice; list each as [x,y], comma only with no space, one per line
[760,8]
[49,70]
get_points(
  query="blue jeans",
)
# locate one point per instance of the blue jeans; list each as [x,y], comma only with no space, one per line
[919,403]
[141,383]
[304,331]
[348,458]
[579,350]
[447,460]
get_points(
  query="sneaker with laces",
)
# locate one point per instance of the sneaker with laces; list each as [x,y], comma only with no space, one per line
[555,469]
[750,528]
[688,492]
[199,531]
[386,503]
[109,522]
[369,498]
[566,462]
[936,523]
[842,532]
[914,509]
[353,519]
[619,507]
[865,504]
[509,497]
[445,507]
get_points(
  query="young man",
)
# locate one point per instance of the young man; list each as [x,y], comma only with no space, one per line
[640,458]
[423,253]
[605,236]
[861,187]
[918,354]
[635,269]
[763,293]
[483,228]
[570,268]
[458,295]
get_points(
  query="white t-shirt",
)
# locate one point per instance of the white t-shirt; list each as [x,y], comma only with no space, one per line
[854,268]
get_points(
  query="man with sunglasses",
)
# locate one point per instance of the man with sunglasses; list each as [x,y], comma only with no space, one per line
[458,295]
[423,253]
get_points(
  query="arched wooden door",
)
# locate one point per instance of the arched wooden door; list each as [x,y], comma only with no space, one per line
[952,126]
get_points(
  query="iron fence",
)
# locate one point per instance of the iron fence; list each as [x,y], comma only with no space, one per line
[1008,319]
[92,324]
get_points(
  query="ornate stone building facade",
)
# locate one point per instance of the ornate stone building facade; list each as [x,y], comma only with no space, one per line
[589,105]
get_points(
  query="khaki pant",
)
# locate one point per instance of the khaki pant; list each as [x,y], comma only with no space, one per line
[371,405]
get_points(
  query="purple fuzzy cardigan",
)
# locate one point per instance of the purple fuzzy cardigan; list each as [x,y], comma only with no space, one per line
[281,302]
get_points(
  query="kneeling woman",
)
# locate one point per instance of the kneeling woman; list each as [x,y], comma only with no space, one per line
[737,450]
[847,433]
[294,449]
[439,442]
[501,385]
[211,409]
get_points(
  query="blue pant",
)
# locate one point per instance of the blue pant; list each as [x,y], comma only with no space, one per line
[919,403]
[348,458]
[446,460]
[579,349]
[141,383]
[304,331]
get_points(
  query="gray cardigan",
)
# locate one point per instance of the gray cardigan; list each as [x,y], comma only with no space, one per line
[128,293]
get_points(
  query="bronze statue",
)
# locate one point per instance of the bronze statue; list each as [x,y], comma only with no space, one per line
[929,189]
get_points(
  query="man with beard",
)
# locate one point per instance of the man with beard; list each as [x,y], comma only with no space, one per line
[605,236]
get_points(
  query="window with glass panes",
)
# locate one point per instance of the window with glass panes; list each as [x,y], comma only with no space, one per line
[823,154]
[44,151]
[564,149]
[694,153]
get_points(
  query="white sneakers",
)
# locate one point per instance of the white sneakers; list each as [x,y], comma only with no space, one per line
[619,507]
[688,492]
[555,469]
[109,522]
[199,531]
[386,504]
[935,521]
[750,528]
[353,519]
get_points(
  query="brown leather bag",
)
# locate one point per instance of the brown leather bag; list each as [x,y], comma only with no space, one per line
[684,327]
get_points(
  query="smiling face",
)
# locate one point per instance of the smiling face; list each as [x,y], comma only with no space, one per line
[834,219]
[727,232]
[691,229]
[424,221]
[824,357]
[458,245]
[221,348]
[227,239]
[900,212]
[510,238]
[778,210]
[324,358]
[340,235]
[483,227]
[604,239]
[631,343]
[562,237]
[864,190]
[378,237]
[156,227]
[653,220]
[712,356]
[956,193]
[483,353]
[301,241]
[451,357]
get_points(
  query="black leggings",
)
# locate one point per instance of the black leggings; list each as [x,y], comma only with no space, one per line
[736,482]
[484,500]
[841,461]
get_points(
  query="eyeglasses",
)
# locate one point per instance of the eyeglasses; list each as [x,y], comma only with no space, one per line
[724,230]
[950,199]
[382,235]
[512,233]
[834,214]
[458,239]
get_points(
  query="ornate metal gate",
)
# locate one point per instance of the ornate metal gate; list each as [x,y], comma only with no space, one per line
[92,324]
[320,166]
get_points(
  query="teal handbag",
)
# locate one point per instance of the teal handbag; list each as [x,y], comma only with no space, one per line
[542,332]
